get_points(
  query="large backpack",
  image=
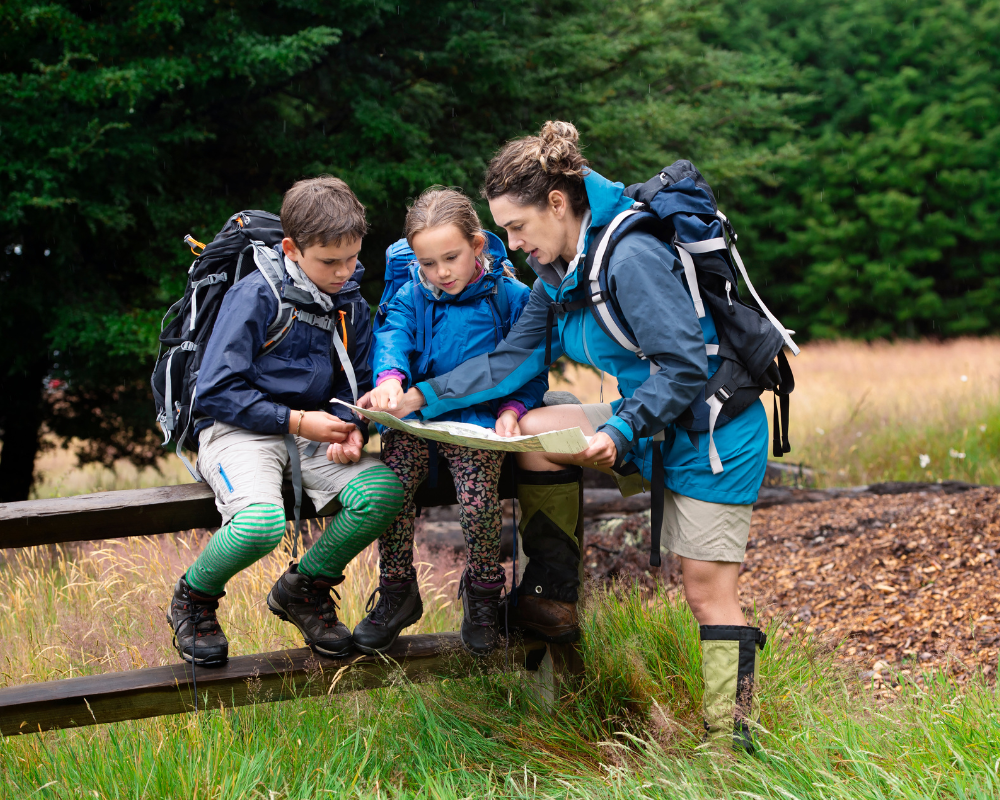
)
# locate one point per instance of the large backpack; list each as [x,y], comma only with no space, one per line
[678,207]
[245,244]
[401,267]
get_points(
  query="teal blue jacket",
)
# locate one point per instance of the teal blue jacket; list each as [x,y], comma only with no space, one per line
[646,279]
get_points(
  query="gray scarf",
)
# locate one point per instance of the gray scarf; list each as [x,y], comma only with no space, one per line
[301,281]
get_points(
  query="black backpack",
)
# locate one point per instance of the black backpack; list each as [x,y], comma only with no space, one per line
[244,245]
[673,205]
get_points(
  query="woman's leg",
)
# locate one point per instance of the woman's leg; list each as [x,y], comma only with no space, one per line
[712,592]
[553,418]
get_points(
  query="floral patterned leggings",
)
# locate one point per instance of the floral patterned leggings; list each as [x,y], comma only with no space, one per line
[476,474]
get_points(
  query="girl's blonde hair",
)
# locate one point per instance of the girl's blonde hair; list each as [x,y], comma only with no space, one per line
[439,206]
[531,167]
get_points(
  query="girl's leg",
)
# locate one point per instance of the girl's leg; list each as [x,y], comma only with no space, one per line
[407,456]
[476,474]
[477,477]
[399,603]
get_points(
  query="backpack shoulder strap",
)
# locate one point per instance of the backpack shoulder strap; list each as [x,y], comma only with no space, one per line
[502,302]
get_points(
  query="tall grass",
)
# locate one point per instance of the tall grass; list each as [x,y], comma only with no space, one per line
[630,730]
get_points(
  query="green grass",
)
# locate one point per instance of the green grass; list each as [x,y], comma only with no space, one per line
[631,731]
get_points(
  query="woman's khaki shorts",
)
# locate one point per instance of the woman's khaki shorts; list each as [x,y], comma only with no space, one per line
[692,528]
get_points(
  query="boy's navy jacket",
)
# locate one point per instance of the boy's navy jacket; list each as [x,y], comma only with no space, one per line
[463,326]
[257,393]
[646,280]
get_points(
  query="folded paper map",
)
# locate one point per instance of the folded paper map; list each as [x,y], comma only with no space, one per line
[465,434]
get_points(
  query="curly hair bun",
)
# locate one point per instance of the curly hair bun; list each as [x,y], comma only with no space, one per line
[531,167]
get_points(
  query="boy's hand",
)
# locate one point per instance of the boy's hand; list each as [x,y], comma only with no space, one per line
[507,424]
[349,452]
[387,396]
[318,426]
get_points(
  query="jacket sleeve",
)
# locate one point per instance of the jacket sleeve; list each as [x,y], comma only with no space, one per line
[532,393]
[226,392]
[645,280]
[395,341]
[491,376]
[363,338]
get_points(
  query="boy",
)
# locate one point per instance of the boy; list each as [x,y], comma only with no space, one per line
[255,409]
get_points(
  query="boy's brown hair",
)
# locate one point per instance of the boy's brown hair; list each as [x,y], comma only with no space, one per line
[322,211]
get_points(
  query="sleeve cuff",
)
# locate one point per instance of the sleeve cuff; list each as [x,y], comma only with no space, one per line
[513,405]
[391,374]
[281,417]
[621,434]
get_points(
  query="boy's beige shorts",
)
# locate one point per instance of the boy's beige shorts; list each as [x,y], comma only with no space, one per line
[244,468]
[693,528]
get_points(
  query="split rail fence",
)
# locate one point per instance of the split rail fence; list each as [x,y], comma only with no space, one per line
[266,677]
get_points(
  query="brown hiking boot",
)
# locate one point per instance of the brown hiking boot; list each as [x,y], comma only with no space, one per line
[550,620]
[307,604]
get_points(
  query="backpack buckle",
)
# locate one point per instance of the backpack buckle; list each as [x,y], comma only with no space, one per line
[723,394]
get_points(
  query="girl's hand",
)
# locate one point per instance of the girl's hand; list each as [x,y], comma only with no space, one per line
[507,424]
[412,401]
[347,452]
[601,452]
[387,396]
[318,426]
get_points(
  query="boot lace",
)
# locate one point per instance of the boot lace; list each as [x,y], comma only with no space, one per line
[482,610]
[326,606]
[389,602]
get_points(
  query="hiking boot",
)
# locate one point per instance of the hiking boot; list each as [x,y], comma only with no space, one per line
[306,603]
[398,605]
[550,620]
[480,604]
[198,636]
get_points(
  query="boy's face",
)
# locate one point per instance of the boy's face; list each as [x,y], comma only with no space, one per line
[329,266]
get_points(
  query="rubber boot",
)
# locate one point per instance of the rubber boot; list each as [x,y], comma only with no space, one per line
[550,567]
[729,667]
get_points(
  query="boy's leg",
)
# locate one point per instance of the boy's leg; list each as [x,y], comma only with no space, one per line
[399,603]
[244,470]
[477,475]
[369,496]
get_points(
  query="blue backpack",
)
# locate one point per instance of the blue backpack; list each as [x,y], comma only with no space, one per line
[401,267]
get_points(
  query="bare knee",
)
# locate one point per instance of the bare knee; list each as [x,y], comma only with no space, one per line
[712,593]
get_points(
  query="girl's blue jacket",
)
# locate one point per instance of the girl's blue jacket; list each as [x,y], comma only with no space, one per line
[462,326]
[647,280]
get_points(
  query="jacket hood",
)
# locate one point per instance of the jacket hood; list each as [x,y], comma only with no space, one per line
[607,199]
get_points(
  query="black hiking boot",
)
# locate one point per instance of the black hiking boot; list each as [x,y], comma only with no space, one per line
[398,605]
[307,604]
[198,636]
[480,603]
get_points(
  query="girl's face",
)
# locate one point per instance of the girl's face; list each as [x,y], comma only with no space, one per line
[447,258]
[545,233]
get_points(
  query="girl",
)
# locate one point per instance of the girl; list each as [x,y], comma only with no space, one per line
[458,280]
[542,191]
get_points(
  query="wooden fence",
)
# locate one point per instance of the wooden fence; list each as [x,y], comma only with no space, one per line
[266,677]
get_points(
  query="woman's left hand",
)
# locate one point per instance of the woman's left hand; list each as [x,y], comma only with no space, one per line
[601,452]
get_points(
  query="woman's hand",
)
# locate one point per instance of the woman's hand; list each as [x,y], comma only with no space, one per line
[387,396]
[349,451]
[507,424]
[318,426]
[601,452]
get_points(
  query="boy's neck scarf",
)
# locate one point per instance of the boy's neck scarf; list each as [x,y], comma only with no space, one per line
[301,281]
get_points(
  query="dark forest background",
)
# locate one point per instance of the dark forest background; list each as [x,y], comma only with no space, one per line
[854,144]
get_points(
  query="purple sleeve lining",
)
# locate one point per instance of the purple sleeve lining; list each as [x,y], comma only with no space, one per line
[390,374]
[513,405]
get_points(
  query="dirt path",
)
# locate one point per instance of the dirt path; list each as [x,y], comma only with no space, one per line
[909,580]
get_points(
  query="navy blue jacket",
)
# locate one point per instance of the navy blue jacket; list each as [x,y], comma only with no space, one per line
[258,393]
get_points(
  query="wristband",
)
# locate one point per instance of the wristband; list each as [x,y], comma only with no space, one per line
[298,428]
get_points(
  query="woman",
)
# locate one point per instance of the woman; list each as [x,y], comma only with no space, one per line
[553,207]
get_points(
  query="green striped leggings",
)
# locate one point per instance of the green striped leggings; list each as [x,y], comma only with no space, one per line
[368,504]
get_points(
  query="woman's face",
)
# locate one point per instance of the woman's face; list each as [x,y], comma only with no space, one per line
[447,258]
[545,232]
